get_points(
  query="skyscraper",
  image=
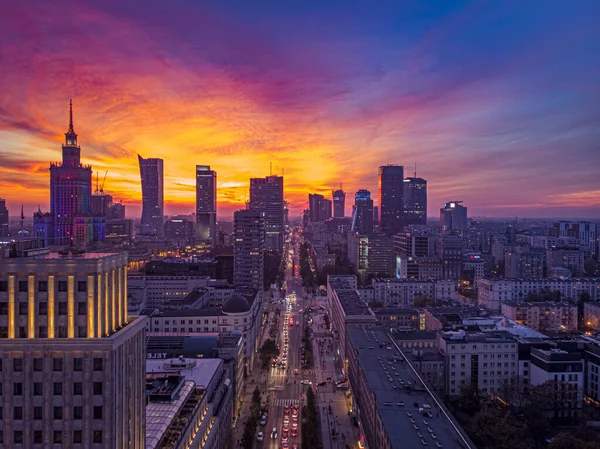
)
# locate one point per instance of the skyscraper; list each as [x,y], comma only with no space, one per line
[362,219]
[453,216]
[206,204]
[248,248]
[70,191]
[390,184]
[151,172]
[415,201]
[320,207]
[3,219]
[266,195]
[339,203]
[73,362]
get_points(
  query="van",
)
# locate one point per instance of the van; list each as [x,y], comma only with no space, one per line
[426,406]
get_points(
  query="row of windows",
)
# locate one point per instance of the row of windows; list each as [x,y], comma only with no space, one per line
[42,308]
[57,413]
[42,332]
[167,322]
[57,364]
[57,436]
[62,286]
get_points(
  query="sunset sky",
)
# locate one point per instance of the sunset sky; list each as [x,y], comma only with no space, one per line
[498,102]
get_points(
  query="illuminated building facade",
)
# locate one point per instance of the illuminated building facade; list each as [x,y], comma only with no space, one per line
[248,248]
[415,201]
[206,204]
[266,196]
[73,362]
[151,171]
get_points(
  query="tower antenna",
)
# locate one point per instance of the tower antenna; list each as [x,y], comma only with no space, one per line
[415,169]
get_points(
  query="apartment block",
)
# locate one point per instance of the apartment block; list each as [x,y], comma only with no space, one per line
[402,292]
[543,316]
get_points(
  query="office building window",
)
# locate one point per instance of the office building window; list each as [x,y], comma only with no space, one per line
[43,332]
[22,286]
[62,286]
[3,286]
[62,308]
[23,308]
[82,308]
[58,388]
[57,437]
[58,412]
[17,364]
[77,436]
[97,412]
[18,389]
[77,412]
[17,412]
[37,413]
[42,286]
[97,436]
[42,308]
[98,364]
[3,308]
[77,364]
[57,364]
[82,286]
[38,364]
[77,388]
[18,436]
[62,331]
[37,388]
[97,388]
[37,436]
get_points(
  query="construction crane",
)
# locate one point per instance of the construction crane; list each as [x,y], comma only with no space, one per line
[103,181]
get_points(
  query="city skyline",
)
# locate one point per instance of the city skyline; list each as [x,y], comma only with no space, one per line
[488,120]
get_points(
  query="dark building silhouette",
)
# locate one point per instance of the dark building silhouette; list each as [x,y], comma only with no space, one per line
[339,203]
[266,195]
[362,217]
[206,204]
[151,172]
[415,201]
[390,186]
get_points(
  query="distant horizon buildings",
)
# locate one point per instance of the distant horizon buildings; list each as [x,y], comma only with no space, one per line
[415,201]
[453,216]
[206,204]
[362,213]
[152,177]
[390,186]
[3,218]
[339,203]
[320,207]
[266,195]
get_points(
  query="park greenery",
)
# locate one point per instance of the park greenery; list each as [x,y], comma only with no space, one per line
[311,434]
[308,349]
[252,422]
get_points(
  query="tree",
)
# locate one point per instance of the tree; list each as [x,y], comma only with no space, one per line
[421,301]
[495,427]
[267,352]
[272,264]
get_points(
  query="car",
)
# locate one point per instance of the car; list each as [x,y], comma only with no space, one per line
[295,423]
[285,445]
[294,432]
[263,420]
[295,413]
[274,433]
[260,436]
[285,428]
[296,371]
[297,323]
[286,419]
[305,382]
[286,410]
[294,446]
[284,437]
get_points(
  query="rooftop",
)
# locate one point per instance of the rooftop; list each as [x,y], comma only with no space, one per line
[212,311]
[414,335]
[477,336]
[201,371]
[394,310]
[541,304]
[388,377]
[352,303]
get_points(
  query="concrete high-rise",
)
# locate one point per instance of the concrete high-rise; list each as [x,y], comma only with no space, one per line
[362,217]
[3,219]
[415,201]
[73,362]
[453,216]
[248,248]
[390,184]
[339,203]
[320,207]
[266,196]
[70,192]
[206,204]
[151,172]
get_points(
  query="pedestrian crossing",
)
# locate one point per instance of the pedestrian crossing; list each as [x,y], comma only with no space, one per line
[281,402]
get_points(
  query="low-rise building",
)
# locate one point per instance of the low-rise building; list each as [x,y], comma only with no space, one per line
[483,360]
[242,314]
[402,292]
[416,339]
[190,403]
[391,398]
[591,315]
[397,318]
[493,292]
[543,316]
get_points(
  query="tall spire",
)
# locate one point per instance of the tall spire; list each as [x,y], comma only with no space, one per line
[71,137]
[71,130]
